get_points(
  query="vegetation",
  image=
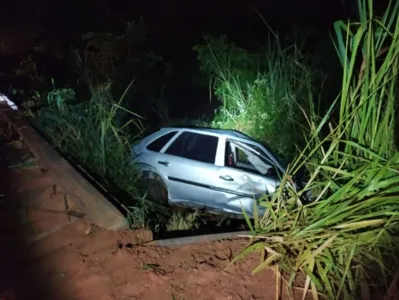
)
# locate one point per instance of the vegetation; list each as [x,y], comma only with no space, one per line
[344,243]
[184,221]
[95,131]
[88,133]
[262,94]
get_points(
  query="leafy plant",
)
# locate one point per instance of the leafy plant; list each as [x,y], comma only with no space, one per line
[59,97]
[185,220]
[31,99]
[27,68]
[262,93]
[345,243]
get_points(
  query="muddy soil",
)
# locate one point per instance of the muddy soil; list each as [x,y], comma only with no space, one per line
[45,254]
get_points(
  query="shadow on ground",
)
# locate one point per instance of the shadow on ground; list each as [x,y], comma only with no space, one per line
[18,280]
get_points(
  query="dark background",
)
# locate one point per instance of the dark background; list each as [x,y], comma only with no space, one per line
[173,28]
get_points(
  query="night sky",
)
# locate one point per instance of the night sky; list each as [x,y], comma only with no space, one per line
[173,26]
[171,18]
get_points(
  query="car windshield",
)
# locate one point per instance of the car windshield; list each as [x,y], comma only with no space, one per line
[275,156]
[250,159]
[282,161]
[279,159]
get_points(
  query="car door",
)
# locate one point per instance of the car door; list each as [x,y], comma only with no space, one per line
[245,177]
[187,164]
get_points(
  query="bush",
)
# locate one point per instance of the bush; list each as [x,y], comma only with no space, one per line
[263,94]
[344,243]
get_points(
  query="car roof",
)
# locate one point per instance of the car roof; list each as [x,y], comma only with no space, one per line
[229,132]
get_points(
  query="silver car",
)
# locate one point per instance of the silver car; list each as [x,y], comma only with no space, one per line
[222,171]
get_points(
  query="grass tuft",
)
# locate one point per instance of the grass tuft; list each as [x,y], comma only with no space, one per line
[185,220]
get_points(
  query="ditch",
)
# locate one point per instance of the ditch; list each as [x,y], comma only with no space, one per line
[208,223]
[204,223]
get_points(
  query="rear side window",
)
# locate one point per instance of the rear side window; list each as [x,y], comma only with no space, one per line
[160,142]
[195,146]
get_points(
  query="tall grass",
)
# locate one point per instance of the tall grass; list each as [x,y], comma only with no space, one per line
[91,134]
[261,93]
[345,243]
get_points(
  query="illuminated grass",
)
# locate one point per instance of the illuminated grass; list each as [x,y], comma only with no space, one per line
[345,243]
[183,221]
[261,93]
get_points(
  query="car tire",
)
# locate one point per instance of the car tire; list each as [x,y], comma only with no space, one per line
[156,189]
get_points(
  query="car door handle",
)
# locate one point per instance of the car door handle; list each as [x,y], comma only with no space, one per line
[226,177]
[165,163]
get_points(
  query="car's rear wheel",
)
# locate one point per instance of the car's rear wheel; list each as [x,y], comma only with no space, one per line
[155,188]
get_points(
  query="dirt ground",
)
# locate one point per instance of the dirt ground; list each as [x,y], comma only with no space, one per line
[46,255]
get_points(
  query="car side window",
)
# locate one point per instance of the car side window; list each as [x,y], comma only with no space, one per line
[195,146]
[241,158]
[160,142]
